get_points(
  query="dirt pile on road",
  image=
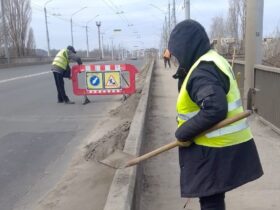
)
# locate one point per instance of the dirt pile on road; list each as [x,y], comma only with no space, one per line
[86,183]
[115,139]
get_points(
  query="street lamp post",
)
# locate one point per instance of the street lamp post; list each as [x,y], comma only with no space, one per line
[71,23]
[253,44]
[87,40]
[102,45]
[167,24]
[112,48]
[47,30]
[187,9]
[116,30]
[98,24]
[87,33]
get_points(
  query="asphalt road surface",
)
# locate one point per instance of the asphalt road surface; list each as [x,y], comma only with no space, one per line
[38,136]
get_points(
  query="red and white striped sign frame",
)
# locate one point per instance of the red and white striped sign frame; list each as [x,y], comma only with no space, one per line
[103,68]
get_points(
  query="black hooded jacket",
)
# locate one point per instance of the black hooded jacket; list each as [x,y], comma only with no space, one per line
[207,85]
[205,171]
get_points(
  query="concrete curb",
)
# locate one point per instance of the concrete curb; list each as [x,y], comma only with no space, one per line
[123,187]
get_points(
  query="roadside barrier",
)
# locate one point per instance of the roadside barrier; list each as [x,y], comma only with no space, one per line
[111,79]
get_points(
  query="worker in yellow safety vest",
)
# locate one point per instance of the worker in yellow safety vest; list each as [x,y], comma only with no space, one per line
[214,163]
[61,69]
[166,58]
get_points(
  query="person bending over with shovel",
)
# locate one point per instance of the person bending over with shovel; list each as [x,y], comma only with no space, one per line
[210,164]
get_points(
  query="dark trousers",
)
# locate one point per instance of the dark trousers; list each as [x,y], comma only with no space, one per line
[59,82]
[213,202]
[166,60]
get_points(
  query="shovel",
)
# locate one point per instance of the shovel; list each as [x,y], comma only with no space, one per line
[120,159]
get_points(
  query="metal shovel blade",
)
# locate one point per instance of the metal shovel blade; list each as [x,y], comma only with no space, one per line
[117,160]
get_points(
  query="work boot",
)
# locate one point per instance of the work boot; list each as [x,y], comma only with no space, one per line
[86,100]
[69,102]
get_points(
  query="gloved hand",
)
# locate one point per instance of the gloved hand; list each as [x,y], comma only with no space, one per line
[184,143]
[180,73]
[79,61]
[175,76]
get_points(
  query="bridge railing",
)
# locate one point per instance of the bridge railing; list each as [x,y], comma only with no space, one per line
[26,61]
[266,97]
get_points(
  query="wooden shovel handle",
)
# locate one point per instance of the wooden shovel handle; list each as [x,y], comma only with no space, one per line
[173,144]
[152,154]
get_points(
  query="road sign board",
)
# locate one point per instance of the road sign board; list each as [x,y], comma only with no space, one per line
[94,80]
[104,79]
[112,80]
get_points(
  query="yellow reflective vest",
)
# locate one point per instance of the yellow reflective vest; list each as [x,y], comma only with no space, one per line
[61,59]
[235,133]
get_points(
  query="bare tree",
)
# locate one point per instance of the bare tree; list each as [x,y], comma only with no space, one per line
[242,17]
[2,53]
[18,15]
[30,45]
[217,28]
[233,20]
[271,46]
[236,21]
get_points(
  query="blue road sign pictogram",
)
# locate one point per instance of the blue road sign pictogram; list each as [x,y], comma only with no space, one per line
[94,81]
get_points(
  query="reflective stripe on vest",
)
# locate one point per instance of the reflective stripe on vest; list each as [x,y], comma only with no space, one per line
[225,130]
[61,59]
[231,106]
[232,134]
[229,129]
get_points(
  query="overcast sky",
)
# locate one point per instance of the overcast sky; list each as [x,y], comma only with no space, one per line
[140,22]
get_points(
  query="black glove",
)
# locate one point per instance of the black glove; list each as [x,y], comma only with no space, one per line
[80,61]
[184,143]
[67,74]
[175,76]
[180,73]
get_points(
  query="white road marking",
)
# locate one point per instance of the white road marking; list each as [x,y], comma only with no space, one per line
[24,77]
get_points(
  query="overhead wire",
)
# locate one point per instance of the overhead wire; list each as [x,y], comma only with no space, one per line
[41,9]
[114,4]
[117,10]
[38,6]
[179,6]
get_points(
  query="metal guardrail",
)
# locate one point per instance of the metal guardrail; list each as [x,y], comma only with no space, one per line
[15,62]
[266,99]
